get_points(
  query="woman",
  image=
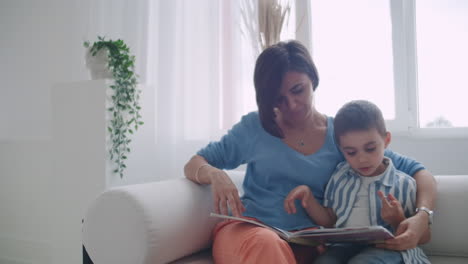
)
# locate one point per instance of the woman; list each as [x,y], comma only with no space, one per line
[286,144]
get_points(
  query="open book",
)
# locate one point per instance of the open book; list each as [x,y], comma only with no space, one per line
[366,234]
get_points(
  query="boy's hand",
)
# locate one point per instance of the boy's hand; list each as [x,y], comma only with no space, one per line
[392,211]
[302,193]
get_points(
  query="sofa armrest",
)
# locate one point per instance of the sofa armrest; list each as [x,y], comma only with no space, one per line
[449,231]
[155,222]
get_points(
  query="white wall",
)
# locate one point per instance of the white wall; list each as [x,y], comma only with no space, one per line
[38,48]
[41,45]
[37,42]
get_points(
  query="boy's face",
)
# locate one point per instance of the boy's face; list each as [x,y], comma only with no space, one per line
[364,150]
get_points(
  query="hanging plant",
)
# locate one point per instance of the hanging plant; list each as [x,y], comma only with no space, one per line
[125,109]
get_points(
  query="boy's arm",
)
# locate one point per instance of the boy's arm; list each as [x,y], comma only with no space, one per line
[322,216]
[391,211]
[415,229]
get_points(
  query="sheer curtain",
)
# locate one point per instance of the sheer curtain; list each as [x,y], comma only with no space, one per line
[196,70]
[194,67]
[200,66]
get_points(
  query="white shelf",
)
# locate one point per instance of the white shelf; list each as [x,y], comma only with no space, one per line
[81,169]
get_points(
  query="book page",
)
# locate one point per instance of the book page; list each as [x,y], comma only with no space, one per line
[367,234]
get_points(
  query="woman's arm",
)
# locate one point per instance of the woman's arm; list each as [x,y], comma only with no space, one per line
[232,150]
[193,165]
[224,191]
[425,198]
[415,229]
[427,191]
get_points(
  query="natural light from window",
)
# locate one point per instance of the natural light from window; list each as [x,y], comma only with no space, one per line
[352,49]
[442,48]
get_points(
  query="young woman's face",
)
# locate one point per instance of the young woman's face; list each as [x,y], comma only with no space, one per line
[295,96]
[364,150]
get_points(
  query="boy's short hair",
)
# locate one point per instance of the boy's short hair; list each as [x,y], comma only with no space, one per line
[357,116]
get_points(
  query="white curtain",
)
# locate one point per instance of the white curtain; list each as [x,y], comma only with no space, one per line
[195,68]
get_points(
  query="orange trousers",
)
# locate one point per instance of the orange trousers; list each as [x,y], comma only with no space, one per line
[237,242]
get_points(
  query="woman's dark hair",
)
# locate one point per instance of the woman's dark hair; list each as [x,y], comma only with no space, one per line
[358,115]
[271,66]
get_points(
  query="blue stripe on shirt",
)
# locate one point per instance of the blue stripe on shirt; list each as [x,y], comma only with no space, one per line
[341,192]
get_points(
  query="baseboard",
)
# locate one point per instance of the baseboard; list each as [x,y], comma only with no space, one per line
[16,251]
[12,261]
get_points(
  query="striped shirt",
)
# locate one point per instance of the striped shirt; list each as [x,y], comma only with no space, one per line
[342,189]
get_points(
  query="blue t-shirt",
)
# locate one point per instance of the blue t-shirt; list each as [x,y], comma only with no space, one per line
[274,169]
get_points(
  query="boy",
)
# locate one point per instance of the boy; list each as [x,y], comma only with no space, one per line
[355,194]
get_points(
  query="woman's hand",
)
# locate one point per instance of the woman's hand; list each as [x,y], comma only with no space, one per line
[225,193]
[392,211]
[302,193]
[278,117]
[223,189]
[408,234]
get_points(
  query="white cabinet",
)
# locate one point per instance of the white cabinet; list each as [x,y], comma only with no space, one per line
[81,169]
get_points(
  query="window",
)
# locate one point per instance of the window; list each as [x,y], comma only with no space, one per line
[351,46]
[442,59]
[409,57]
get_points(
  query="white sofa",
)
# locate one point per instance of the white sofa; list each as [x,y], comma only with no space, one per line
[168,222]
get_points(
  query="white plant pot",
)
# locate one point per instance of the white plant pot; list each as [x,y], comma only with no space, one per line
[97,65]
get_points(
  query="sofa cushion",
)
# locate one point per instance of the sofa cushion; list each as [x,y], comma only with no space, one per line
[442,260]
[449,228]
[202,257]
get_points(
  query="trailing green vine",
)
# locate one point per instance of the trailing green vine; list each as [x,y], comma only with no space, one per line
[125,108]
